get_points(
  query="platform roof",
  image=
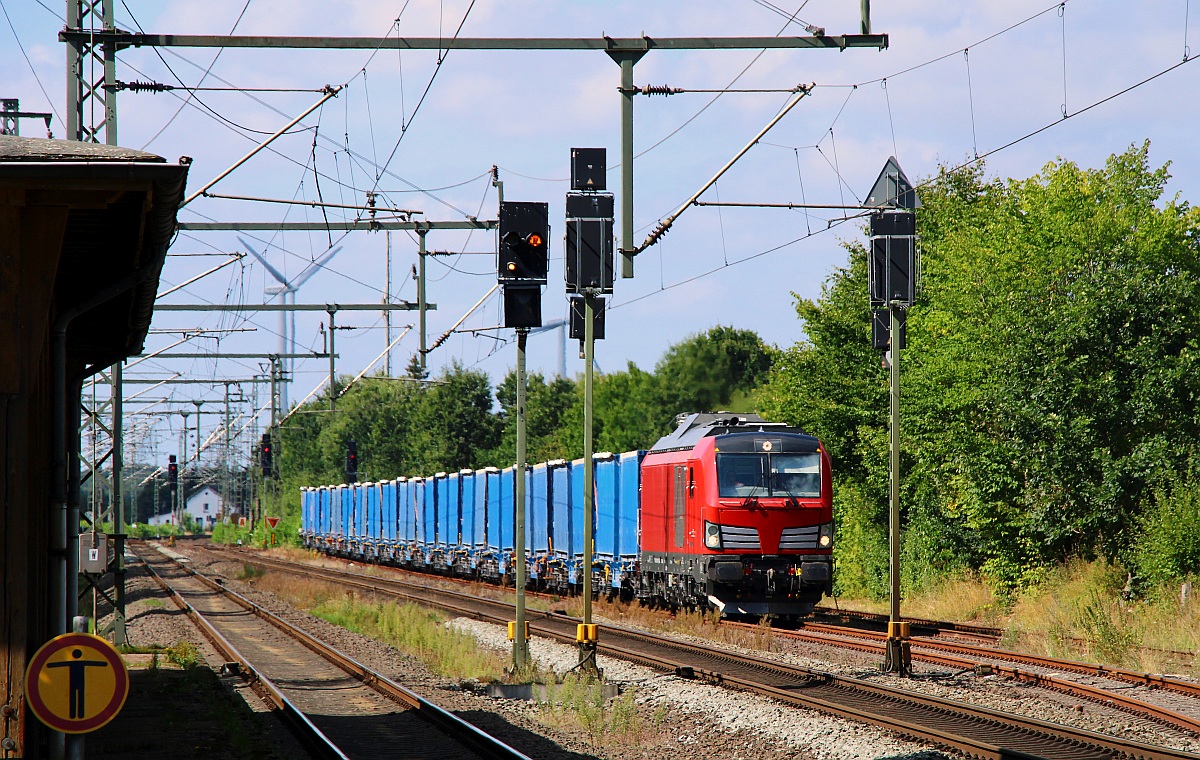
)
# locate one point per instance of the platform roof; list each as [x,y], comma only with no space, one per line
[120,207]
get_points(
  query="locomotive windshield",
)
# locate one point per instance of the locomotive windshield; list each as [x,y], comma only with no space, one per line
[769,475]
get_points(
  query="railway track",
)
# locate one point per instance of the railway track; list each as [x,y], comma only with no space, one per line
[974,731]
[1046,672]
[337,706]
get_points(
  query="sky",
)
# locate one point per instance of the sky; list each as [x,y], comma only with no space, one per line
[1020,83]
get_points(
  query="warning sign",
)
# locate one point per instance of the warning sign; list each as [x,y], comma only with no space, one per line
[272,521]
[76,683]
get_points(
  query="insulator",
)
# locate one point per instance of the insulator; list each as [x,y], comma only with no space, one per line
[138,86]
[652,89]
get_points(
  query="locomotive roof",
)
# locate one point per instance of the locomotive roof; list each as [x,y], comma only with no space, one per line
[693,427]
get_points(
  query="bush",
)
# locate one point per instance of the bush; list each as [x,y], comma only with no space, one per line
[1168,547]
[860,546]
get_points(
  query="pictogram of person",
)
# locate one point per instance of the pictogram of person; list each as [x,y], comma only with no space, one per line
[76,673]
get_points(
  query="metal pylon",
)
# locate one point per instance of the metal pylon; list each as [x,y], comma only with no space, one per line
[92,117]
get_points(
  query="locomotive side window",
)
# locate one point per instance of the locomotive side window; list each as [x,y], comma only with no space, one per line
[796,475]
[769,475]
[740,475]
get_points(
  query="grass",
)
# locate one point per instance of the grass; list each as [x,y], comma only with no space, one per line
[580,704]
[250,572]
[409,628]
[1083,610]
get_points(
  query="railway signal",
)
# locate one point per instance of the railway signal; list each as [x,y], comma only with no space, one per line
[893,279]
[351,461]
[589,258]
[172,473]
[524,242]
[266,456]
[589,274]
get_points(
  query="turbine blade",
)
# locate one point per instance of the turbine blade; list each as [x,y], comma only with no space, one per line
[274,272]
[315,267]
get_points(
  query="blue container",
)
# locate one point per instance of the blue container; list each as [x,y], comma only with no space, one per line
[418,509]
[486,480]
[561,515]
[447,509]
[467,480]
[506,514]
[360,510]
[605,473]
[578,503]
[413,499]
[318,510]
[406,518]
[374,523]
[387,509]
[629,501]
[323,510]
[537,513]
[429,514]
[305,510]
[495,491]
[346,526]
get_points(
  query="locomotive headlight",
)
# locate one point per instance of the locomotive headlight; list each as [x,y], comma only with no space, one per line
[825,539]
[712,535]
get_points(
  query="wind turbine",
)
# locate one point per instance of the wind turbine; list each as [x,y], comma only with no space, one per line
[286,289]
[561,326]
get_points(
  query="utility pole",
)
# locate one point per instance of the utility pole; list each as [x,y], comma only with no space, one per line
[422,306]
[520,640]
[332,370]
[177,505]
[387,296]
[587,648]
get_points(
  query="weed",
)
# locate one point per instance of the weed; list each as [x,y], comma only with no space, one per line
[1107,632]
[580,703]
[185,654]
[416,631]
[250,572]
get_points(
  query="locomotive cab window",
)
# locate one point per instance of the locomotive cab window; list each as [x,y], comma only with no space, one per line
[740,475]
[769,475]
[796,475]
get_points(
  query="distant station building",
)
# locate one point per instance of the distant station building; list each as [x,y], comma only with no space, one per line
[84,231]
[204,505]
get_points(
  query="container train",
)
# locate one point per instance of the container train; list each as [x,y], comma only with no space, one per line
[731,513]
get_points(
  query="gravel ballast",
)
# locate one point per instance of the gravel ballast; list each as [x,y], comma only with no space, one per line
[681,717]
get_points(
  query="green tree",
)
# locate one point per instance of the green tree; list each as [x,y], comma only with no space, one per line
[1050,375]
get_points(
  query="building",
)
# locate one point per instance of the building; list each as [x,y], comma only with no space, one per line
[84,230]
[204,505]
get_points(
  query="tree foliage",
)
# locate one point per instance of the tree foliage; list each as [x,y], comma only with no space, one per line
[1049,380]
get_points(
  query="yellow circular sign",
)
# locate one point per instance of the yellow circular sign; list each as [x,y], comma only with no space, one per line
[76,683]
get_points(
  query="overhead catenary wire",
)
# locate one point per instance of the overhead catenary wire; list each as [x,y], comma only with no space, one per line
[665,225]
[959,167]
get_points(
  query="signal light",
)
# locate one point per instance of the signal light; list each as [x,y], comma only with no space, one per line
[351,461]
[524,229]
[172,472]
[266,455]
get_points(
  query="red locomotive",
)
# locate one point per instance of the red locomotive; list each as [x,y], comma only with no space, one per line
[737,515]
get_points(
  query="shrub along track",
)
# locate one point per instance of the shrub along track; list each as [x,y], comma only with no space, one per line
[339,707]
[974,731]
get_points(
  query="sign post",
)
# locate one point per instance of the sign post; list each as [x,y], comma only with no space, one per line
[893,275]
[272,522]
[76,683]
